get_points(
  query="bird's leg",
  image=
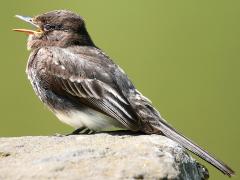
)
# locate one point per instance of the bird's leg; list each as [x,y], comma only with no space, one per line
[76,131]
[82,130]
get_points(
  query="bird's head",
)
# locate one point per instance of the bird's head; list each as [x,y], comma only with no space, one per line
[60,28]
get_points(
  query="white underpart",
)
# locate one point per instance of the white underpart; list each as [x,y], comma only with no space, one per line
[89,118]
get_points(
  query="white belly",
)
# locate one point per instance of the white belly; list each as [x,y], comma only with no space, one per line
[89,118]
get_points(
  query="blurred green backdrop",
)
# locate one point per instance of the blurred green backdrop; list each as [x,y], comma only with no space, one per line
[183,55]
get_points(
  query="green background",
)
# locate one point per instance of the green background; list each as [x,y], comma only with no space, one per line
[183,55]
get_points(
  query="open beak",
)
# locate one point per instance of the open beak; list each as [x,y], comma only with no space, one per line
[28,31]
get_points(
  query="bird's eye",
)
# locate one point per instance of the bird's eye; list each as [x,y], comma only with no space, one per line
[48,27]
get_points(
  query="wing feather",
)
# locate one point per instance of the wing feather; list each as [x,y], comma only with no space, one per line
[77,78]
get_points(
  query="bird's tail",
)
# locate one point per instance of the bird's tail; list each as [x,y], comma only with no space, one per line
[171,133]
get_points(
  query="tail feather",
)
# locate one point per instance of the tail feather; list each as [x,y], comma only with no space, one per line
[171,133]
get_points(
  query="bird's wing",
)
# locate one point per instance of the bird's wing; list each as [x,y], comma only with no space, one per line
[88,80]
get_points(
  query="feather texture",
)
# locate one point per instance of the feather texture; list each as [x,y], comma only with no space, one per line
[83,87]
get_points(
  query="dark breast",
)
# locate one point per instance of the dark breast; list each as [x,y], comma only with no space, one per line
[43,84]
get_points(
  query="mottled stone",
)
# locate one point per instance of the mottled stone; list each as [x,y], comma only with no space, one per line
[98,156]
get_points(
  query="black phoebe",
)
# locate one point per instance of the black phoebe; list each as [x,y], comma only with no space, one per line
[84,88]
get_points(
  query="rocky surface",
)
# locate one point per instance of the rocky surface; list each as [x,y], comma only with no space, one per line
[99,156]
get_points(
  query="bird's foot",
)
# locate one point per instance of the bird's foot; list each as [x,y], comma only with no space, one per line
[83,130]
[59,135]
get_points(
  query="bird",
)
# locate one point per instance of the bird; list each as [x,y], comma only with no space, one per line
[85,89]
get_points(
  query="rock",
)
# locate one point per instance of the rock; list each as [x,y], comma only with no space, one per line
[98,156]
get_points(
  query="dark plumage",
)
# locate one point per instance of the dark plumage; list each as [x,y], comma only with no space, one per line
[85,88]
